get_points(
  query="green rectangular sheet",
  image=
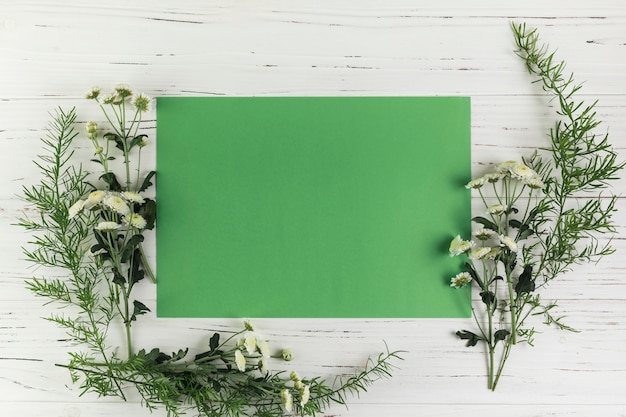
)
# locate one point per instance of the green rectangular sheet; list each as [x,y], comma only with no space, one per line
[311,206]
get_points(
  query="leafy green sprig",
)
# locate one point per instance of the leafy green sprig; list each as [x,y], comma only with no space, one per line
[565,208]
[95,233]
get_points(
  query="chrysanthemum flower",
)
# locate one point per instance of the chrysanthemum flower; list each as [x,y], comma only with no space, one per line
[75,209]
[250,343]
[506,166]
[141,102]
[484,234]
[480,253]
[535,182]
[117,204]
[248,325]
[94,199]
[459,246]
[496,209]
[135,220]
[263,348]
[305,395]
[240,361]
[522,172]
[287,399]
[508,242]
[492,253]
[294,376]
[460,280]
[476,183]
[493,177]
[107,226]
[123,91]
[93,93]
[132,197]
[111,98]
[263,366]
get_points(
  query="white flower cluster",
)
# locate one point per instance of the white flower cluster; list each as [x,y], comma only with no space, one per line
[511,169]
[459,246]
[118,203]
[140,101]
[252,345]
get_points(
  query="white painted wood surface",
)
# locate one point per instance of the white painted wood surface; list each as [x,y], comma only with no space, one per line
[52,51]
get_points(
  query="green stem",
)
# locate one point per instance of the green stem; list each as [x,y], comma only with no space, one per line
[512,308]
[146,265]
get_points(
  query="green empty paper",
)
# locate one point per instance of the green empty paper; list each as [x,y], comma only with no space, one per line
[311,206]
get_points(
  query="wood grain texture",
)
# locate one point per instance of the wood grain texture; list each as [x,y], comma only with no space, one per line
[52,51]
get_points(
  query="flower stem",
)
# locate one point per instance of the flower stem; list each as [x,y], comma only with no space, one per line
[146,265]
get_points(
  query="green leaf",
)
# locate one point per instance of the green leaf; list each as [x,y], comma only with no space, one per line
[474,274]
[488,297]
[118,278]
[525,283]
[214,342]
[486,222]
[129,249]
[472,338]
[111,181]
[514,223]
[146,182]
[525,232]
[134,273]
[154,356]
[136,141]
[148,211]
[119,142]
[139,309]
[501,335]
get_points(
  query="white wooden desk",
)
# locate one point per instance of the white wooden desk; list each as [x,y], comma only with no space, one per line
[52,51]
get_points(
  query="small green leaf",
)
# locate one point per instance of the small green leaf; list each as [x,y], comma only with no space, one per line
[525,283]
[214,342]
[525,232]
[514,223]
[474,274]
[501,335]
[472,338]
[136,141]
[488,297]
[139,309]
[118,278]
[148,211]
[119,142]
[134,273]
[129,249]
[111,181]
[487,223]
[146,182]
